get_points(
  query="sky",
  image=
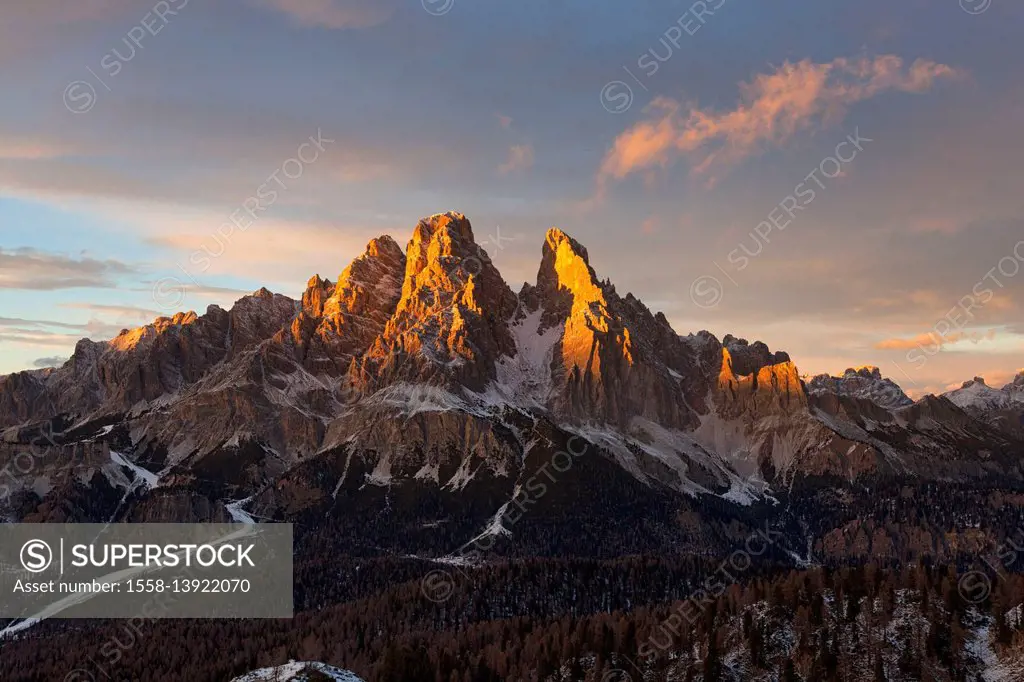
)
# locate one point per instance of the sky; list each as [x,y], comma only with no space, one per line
[840,180]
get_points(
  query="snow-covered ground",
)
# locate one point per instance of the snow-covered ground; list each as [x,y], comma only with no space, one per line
[296,672]
[526,378]
[238,513]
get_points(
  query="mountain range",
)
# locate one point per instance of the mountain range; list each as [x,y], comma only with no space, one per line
[425,366]
[417,415]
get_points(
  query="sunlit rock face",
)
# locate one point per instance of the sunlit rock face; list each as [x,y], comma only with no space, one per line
[615,360]
[451,322]
[754,380]
[339,322]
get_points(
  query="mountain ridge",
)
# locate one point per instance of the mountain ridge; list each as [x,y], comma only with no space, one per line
[423,366]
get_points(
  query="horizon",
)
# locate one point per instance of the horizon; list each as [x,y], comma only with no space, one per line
[831,187]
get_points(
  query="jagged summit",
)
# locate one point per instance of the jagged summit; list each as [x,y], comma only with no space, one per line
[975,394]
[748,358]
[567,282]
[864,382]
[555,238]
[450,323]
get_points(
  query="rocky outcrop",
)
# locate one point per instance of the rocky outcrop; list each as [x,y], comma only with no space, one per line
[1001,408]
[451,322]
[144,364]
[346,321]
[614,360]
[757,383]
[977,396]
[862,382]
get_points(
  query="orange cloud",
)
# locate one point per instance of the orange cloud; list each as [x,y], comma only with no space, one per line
[933,338]
[773,107]
[520,158]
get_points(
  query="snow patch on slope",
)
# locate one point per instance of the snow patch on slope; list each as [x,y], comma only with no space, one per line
[238,513]
[648,443]
[525,380]
[148,477]
[297,672]
[412,399]
[976,395]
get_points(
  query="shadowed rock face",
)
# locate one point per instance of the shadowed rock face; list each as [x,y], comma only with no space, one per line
[144,364]
[863,382]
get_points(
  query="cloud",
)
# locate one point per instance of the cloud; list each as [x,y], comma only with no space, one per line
[41,271]
[504,121]
[933,338]
[7,322]
[28,149]
[53,334]
[39,338]
[41,26]
[334,14]
[520,158]
[772,108]
[123,311]
[206,158]
[55,361]
[201,290]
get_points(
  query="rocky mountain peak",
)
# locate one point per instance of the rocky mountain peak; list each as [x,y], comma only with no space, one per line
[864,382]
[383,247]
[977,396]
[372,280]
[317,291]
[1016,387]
[749,358]
[566,282]
[450,324]
[754,380]
[865,372]
[345,318]
[612,359]
[436,239]
[442,260]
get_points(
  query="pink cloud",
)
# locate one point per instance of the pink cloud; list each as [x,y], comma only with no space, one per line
[336,14]
[773,107]
[520,158]
[15,149]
